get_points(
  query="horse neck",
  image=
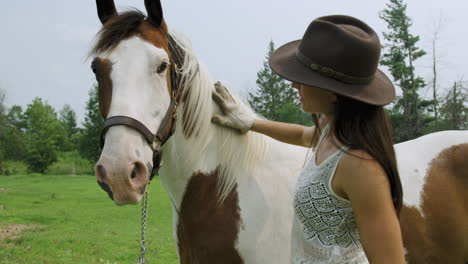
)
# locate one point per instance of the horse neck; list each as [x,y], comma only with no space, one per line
[198,146]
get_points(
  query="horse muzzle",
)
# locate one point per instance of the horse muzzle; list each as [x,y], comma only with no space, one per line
[123,184]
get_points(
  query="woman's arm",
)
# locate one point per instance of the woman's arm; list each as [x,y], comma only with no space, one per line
[368,189]
[285,132]
[235,117]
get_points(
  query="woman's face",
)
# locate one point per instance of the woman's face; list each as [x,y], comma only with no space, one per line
[315,100]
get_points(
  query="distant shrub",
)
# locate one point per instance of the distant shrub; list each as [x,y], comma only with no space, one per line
[14,167]
[70,163]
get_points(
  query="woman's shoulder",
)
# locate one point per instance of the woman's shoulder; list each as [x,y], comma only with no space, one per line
[358,155]
[361,167]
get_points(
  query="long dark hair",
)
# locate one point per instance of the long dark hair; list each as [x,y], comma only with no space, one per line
[363,126]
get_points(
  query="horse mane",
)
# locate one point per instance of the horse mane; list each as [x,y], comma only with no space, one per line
[238,154]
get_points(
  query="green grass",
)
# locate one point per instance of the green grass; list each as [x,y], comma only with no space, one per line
[79,223]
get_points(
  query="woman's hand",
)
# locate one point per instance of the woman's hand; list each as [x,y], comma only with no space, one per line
[233,114]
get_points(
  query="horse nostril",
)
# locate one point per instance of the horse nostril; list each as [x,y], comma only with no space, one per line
[101,173]
[139,176]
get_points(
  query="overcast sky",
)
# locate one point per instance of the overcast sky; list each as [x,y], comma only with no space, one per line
[45,43]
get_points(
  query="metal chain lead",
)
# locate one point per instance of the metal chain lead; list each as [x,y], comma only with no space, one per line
[141,259]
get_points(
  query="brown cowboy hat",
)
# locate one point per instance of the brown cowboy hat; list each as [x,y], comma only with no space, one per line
[340,54]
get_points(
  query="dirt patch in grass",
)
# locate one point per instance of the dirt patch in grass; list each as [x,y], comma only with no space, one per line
[3,190]
[10,232]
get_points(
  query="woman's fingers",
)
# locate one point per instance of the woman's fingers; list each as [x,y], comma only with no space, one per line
[223,91]
[220,101]
[217,119]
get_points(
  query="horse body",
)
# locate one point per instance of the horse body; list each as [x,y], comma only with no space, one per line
[414,159]
[232,193]
[257,210]
[263,198]
[434,176]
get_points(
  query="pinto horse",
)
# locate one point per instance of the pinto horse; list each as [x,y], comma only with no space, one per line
[232,193]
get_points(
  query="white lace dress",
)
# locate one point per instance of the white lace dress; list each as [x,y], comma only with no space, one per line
[324,228]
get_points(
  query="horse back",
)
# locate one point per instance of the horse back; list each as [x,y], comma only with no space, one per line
[434,173]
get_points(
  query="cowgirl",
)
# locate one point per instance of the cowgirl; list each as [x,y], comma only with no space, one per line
[348,197]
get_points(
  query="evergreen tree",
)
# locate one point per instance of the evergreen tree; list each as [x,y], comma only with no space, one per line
[12,136]
[400,53]
[43,135]
[2,128]
[274,98]
[67,119]
[15,118]
[90,134]
[454,109]
[2,103]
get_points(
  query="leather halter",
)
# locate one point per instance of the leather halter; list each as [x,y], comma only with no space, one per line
[167,127]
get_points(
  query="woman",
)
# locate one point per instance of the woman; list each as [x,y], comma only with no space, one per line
[348,197]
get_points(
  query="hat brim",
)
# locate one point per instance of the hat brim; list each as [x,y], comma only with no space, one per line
[380,91]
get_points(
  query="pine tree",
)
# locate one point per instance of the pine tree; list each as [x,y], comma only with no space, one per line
[400,53]
[454,109]
[274,98]
[90,135]
[2,128]
[12,137]
[2,103]
[67,119]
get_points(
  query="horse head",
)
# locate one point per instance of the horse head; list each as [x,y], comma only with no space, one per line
[135,68]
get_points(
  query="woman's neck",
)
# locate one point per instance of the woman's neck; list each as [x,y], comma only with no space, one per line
[327,120]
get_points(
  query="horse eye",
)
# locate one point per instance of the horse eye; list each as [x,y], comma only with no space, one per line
[162,67]
[93,68]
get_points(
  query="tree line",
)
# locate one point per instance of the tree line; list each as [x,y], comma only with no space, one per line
[411,114]
[38,134]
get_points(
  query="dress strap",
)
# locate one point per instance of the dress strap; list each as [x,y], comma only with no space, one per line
[325,131]
[322,135]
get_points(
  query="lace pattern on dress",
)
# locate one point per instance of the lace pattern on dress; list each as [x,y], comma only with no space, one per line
[324,229]
[323,215]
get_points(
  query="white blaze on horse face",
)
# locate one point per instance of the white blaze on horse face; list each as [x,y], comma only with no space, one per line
[140,92]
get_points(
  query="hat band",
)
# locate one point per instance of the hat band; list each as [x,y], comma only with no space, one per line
[330,73]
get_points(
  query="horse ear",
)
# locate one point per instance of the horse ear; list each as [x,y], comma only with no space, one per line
[106,10]
[155,12]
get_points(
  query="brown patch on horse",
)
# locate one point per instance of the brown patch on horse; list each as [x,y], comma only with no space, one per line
[158,37]
[440,235]
[102,68]
[207,231]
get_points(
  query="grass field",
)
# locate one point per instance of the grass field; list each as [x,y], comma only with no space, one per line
[69,219]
